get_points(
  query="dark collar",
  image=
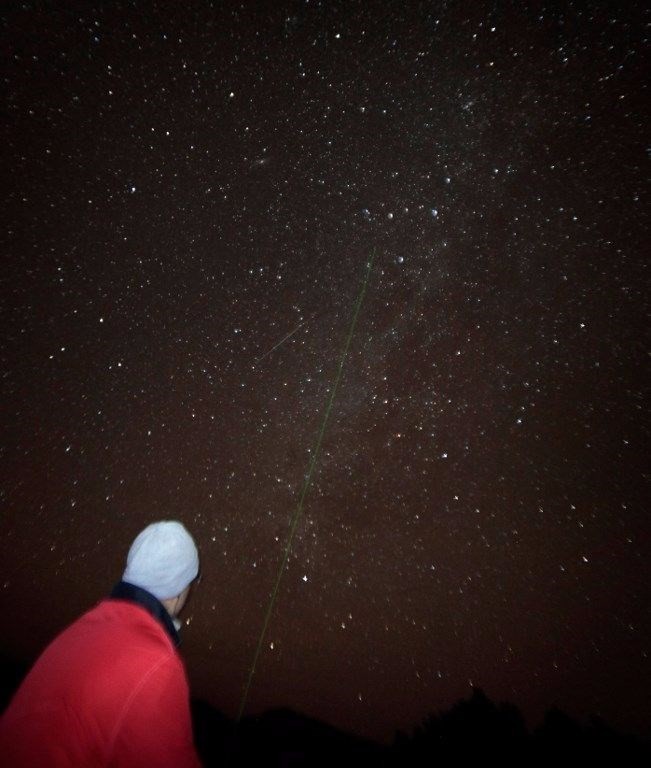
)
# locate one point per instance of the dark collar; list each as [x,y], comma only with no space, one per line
[125,591]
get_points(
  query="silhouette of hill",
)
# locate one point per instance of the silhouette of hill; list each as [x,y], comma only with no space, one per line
[280,737]
[474,730]
[477,730]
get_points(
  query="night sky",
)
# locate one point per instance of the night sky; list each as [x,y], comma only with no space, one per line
[191,194]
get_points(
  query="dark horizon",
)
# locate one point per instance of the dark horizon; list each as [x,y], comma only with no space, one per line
[473,728]
[192,196]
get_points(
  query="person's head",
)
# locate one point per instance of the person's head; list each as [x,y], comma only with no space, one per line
[163,560]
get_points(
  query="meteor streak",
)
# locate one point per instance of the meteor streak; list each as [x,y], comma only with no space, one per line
[282,341]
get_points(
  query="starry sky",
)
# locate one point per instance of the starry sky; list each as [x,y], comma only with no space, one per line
[192,192]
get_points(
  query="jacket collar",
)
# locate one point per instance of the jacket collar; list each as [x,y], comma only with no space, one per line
[133,594]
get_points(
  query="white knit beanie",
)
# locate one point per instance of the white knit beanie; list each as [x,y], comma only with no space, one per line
[163,559]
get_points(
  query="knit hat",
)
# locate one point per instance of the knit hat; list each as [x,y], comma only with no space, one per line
[163,559]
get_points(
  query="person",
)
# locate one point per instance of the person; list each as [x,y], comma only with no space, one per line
[111,689]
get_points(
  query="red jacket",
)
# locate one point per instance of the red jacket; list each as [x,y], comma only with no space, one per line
[109,691]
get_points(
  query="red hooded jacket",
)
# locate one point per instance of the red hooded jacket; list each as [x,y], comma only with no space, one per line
[109,691]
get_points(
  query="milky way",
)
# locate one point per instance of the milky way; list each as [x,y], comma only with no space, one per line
[192,194]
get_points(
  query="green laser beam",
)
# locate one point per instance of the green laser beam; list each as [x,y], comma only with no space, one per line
[306,485]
